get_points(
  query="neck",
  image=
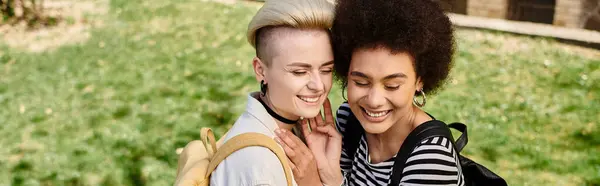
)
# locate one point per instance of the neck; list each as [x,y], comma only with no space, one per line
[385,145]
[279,123]
[285,126]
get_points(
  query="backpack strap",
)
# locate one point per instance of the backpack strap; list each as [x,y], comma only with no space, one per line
[246,140]
[208,138]
[462,141]
[433,128]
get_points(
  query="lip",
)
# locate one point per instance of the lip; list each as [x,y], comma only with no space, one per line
[318,97]
[311,96]
[375,119]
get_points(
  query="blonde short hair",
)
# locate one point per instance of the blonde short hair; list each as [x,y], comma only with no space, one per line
[302,14]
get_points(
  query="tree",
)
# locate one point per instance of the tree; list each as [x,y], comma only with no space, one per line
[30,11]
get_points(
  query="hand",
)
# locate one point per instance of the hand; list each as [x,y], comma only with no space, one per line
[302,160]
[326,144]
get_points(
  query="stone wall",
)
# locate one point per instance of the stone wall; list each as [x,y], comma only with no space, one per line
[566,13]
[569,13]
[488,8]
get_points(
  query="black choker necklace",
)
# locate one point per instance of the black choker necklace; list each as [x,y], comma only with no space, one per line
[275,115]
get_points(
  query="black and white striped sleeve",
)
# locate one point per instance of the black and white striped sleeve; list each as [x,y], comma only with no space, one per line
[433,162]
[342,115]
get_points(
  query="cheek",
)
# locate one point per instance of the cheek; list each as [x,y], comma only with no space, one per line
[327,81]
[355,93]
[290,84]
[402,97]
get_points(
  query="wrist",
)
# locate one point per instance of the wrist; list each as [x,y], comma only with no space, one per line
[340,183]
[333,179]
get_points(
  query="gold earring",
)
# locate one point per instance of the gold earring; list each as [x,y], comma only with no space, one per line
[424,100]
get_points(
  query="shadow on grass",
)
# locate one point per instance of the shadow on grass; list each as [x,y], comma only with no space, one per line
[593,181]
[585,139]
[132,160]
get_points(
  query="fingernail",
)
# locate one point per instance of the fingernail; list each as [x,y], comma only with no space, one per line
[278,131]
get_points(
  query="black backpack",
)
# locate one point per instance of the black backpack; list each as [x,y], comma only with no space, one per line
[474,173]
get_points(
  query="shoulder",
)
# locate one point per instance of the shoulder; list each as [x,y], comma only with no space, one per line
[250,166]
[434,160]
[434,148]
[343,115]
[244,124]
[344,110]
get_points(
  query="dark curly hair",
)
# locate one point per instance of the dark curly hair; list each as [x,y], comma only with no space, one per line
[418,27]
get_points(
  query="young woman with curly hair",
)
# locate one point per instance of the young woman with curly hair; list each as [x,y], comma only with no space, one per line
[388,55]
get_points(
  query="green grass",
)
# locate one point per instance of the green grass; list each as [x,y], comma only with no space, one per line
[112,110]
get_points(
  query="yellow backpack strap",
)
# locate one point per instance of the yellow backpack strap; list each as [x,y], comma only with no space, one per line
[208,138]
[246,140]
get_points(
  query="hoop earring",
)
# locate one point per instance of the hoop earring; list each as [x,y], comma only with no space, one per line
[263,88]
[424,100]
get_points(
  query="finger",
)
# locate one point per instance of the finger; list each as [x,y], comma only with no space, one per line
[292,165]
[328,113]
[330,131]
[301,150]
[313,123]
[286,139]
[304,123]
[294,169]
[294,143]
[319,120]
[304,128]
[288,151]
[299,144]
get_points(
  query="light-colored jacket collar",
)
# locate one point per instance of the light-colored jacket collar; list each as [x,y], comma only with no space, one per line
[255,109]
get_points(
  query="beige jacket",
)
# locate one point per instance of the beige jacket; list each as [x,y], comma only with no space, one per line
[251,166]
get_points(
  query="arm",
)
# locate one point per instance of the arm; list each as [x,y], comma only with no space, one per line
[433,162]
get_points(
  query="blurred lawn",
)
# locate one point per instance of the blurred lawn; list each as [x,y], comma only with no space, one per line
[112,111]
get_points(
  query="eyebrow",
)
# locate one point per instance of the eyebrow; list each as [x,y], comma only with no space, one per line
[306,65]
[392,76]
[298,64]
[327,63]
[396,75]
[359,74]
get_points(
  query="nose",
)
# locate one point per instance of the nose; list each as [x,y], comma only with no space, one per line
[316,83]
[375,98]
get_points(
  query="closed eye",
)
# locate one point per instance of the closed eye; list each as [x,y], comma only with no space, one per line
[361,84]
[392,87]
[299,72]
[327,71]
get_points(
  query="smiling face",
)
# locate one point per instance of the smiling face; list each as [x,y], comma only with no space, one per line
[381,87]
[299,71]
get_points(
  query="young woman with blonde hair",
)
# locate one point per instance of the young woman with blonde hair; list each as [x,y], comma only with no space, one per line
[294,64]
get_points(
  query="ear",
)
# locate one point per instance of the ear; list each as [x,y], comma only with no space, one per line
[259,69]
[419,84]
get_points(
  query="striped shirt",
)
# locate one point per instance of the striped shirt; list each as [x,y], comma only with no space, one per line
[432,163]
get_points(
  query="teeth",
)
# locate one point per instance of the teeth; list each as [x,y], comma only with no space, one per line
[376,114]
[310,100]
